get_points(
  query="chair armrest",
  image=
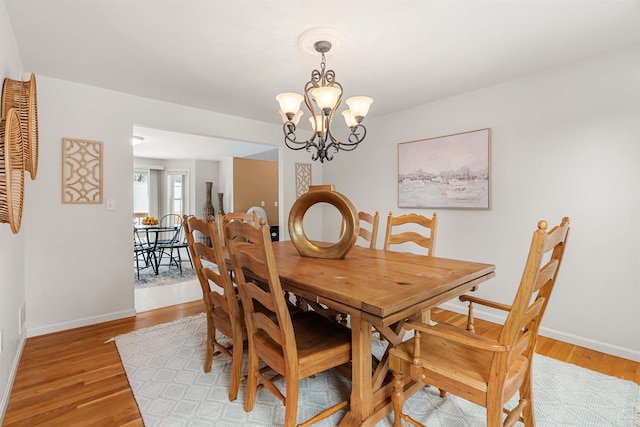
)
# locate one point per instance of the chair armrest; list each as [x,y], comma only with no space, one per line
[492,304]
[459,336]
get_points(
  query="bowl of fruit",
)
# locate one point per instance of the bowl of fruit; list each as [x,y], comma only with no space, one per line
[149,220]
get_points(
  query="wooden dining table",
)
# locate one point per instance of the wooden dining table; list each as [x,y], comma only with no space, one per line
[379,289]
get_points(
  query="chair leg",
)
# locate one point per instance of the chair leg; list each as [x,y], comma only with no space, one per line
[397,398]
[525,393]
[236,367]
[209,344]
[291,406]
[155,262]
[494,411]
[252,380]
[179,260]
[159,259]
[138,265]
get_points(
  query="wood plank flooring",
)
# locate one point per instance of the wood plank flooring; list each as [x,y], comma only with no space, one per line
[74,378]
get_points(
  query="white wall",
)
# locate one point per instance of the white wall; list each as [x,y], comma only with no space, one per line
[79,269]
[564,143]
[12,246]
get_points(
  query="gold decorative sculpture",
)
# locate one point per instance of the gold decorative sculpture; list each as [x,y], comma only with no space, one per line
[323,194]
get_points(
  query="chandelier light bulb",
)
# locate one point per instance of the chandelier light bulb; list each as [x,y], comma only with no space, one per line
[317,123]
[290,103]
[359,106]
[349,119]
[326,97]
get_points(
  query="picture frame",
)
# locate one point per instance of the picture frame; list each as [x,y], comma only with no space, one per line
[446,172]
[82,171]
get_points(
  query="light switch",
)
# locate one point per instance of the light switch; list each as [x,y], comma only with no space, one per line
[110,205]
[262,203]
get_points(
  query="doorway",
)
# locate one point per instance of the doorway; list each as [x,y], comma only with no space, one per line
[178,165]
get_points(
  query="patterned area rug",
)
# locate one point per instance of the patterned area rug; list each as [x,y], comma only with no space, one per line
[166,276]
[164,367]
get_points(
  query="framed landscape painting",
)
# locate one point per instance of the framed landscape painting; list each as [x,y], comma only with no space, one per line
[450,171]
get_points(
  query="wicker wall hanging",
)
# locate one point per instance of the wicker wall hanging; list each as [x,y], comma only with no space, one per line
[11,170]
[22,96]
[81,171]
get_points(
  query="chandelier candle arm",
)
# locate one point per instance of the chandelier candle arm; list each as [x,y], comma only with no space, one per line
[322,96]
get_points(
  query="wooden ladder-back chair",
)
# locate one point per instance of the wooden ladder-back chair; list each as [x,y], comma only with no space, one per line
[251,218]
[223,310]
[370,235]
[370,230]
[426,240]
[405,227]
[294,346]
[487,371]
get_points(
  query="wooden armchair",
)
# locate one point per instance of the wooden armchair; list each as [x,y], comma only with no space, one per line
[295,346]
[426,240]
[486,371]
[223,310]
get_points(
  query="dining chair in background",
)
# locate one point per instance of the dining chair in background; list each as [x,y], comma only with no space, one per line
[249,217]
[401,229]
[368,229]
[173,247]
[223,310]
[484,370]
[142,248]
[294,346]
[168,221]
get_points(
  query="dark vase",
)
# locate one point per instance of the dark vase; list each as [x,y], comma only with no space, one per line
[221,207]
[207,210]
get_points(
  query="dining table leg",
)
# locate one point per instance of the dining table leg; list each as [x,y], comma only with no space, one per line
[361,403]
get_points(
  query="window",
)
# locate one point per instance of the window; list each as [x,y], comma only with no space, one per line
[141,191]
[177,192]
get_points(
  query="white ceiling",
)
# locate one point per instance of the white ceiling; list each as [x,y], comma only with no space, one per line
[234,56]
[162,144]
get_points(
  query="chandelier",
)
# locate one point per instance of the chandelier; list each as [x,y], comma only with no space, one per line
[322,95]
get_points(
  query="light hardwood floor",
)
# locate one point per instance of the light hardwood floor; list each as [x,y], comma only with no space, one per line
[74,378]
